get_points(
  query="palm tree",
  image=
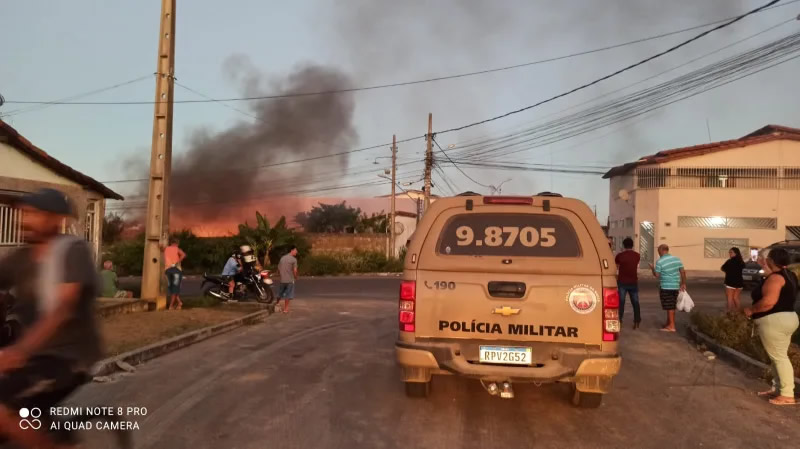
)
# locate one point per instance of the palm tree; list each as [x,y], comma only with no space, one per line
[263,238]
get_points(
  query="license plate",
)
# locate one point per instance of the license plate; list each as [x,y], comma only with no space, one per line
[747,278]
[505,355]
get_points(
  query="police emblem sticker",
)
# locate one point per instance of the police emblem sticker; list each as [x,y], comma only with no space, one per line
[582,298]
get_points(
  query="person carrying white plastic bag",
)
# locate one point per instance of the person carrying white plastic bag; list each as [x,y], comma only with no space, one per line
[685,303]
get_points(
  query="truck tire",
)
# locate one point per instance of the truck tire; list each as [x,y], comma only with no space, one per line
[586,400]
[418,389]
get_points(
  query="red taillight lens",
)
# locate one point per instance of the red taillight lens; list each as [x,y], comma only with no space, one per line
[408,298]
[611,324]
[408,291]
[611,298]
[508,200]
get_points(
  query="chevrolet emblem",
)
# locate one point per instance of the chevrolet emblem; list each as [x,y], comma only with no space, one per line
[505,311]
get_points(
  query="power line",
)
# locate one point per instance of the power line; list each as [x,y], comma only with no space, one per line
[485,139]
[641,102]
[724,22]
[613,74]
[41,105]
[280,164]
[456,165]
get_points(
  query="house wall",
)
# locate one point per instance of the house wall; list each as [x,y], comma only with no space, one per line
[21,174]
[14,164]
[664,206]
[620,209]
[409,226]
[343,243]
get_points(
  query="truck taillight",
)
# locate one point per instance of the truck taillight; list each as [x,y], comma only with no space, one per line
[408,299]
[522,200]
[611,324]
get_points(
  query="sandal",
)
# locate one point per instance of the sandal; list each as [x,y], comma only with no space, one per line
[667,329]
[782,400]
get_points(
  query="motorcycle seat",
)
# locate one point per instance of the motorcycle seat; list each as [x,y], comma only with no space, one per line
[217,277]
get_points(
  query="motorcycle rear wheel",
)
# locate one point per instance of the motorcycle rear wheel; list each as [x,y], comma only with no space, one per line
[268,296]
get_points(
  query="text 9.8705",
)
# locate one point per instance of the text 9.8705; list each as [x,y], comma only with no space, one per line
[507,236]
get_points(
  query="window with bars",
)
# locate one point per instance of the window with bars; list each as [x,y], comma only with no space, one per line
[651,178]
[766,178]
[10,226]
[719,248]
[728,222]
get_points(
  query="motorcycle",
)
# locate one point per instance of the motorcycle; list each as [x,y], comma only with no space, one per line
[249,283]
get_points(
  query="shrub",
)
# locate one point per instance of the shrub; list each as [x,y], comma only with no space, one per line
[323,265]
[349,263]
[127,256]
[735,331]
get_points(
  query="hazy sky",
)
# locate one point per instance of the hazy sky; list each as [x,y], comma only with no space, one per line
[53,49]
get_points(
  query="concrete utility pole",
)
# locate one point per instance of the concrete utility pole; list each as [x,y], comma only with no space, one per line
[428,163]
[392,236]
[157,224]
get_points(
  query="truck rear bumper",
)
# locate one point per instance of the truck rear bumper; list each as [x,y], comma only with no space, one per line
[591,370]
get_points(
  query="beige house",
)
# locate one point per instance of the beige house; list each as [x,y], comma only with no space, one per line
[25,168]
[705,199]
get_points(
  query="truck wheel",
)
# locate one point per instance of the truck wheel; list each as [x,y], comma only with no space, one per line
[586,400]
[418,389]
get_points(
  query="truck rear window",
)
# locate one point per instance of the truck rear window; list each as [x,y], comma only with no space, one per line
[519,235]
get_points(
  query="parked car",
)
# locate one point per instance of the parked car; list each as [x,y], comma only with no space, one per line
[752,272]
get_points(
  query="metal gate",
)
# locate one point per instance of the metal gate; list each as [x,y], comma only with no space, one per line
[646,244]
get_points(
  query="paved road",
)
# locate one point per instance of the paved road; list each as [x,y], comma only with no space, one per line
[325,287]
[708,290]
[324,377]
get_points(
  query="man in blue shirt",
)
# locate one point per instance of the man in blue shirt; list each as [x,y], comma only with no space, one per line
[231,268]
[672,279]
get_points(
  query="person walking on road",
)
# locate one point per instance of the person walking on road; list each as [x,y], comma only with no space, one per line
[628,280]
[173,256]
[734,282]
[287,269]
[672,280]
[776,321]
[56,284]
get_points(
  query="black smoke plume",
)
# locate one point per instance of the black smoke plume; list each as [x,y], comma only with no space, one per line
[226,166]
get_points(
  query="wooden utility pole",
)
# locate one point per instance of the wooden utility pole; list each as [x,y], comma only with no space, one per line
[392,235]
[157,220]
[428,163]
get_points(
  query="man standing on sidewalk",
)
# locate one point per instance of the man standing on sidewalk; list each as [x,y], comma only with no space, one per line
[628,280]
[672,278]
[287,268]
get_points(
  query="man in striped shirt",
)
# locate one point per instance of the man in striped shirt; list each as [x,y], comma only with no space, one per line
[672,279]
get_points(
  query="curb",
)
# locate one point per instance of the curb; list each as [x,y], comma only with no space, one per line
[742,361]
[141,355]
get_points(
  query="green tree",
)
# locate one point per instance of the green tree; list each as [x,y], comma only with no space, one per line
[330,218]
[113,227]
[375,223]
[269,241]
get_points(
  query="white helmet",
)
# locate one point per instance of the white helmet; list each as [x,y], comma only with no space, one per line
[247,254]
